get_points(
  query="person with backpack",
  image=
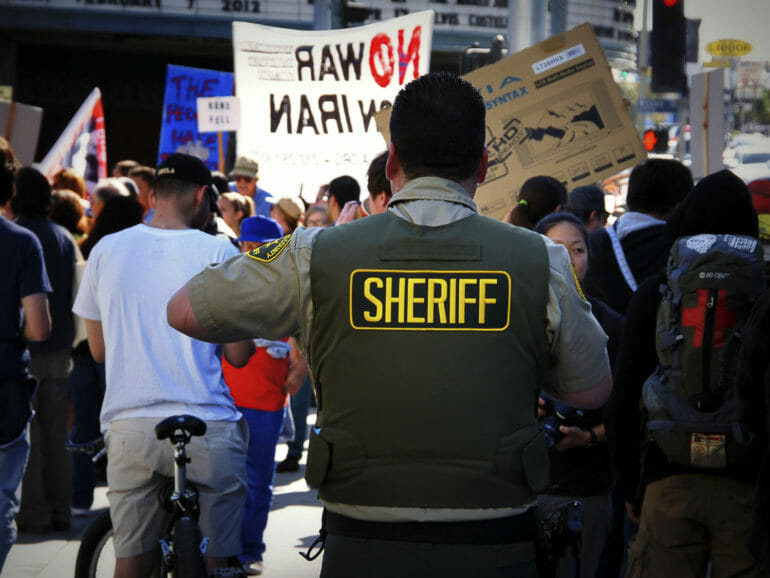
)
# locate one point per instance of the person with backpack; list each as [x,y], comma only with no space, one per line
[689,465]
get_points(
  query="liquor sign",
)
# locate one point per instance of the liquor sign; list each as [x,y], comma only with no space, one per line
[729,48]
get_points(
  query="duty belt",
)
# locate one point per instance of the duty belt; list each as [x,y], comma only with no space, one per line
[521,528]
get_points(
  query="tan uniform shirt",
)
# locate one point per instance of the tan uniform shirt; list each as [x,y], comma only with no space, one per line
[247,297]
[267,295]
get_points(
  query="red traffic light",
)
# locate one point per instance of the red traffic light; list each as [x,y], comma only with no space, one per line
[655,140]
[650,140]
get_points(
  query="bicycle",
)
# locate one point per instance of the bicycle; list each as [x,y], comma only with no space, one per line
[183,548]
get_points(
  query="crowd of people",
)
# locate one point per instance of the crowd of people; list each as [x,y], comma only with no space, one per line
[485,389]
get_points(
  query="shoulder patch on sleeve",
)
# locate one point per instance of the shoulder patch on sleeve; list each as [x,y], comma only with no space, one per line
[577,283]
[271,250]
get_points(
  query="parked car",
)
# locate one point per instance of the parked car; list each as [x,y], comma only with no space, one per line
[751,162]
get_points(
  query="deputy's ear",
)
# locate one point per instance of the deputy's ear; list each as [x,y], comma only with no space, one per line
[481,172]
[393,164]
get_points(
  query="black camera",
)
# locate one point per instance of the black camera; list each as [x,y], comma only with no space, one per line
[557,414]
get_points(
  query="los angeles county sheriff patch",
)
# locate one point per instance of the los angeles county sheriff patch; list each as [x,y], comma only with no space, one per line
[271,250]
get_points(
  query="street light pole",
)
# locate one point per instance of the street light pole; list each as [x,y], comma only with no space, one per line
[519,24]
[322,15]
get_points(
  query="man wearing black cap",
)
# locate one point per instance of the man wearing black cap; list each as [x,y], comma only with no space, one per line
[154,372]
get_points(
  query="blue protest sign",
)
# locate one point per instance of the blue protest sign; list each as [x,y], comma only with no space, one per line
[179,126]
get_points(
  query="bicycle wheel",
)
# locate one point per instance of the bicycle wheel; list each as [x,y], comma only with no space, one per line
[96,556]
[187,540]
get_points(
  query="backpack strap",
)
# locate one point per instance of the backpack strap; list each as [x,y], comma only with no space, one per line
[620,256]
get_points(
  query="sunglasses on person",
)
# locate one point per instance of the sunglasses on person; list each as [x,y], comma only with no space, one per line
[243,178]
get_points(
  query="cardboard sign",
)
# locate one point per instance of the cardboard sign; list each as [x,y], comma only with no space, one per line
[707,119]
[552,109]
[309,97]
[218,114]
[20,125]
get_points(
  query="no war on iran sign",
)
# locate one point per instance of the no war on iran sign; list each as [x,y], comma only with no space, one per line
[308,98]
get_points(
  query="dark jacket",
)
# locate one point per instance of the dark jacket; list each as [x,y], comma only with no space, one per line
[646,251]
[753,394]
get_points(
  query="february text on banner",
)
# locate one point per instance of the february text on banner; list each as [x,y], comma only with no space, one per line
[308,98]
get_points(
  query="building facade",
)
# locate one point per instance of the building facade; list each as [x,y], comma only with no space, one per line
[54,52]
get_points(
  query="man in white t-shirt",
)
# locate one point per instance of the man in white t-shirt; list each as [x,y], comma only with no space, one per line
[154,371]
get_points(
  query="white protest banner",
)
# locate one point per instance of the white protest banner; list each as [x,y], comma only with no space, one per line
[83,144]
[308,98]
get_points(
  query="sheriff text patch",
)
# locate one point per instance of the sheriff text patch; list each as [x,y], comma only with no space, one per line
[430,300]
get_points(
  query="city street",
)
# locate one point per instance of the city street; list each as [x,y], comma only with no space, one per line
[292,526]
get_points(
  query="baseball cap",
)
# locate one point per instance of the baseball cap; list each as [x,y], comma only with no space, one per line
[260,229]
[245,167]
[585,199]
[185,168]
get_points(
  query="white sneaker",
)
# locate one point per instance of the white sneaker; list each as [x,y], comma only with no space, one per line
[253,568]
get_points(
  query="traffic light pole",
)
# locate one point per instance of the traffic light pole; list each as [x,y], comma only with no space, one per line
[643,65]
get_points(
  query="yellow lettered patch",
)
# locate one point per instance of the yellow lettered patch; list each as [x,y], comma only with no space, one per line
[271,250]
[430,300]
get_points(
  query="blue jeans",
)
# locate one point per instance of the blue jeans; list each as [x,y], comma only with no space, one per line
[264,429]
[86,385]
[13,460]
[300,405]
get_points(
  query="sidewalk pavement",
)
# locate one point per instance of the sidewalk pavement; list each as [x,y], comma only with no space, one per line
[292,526]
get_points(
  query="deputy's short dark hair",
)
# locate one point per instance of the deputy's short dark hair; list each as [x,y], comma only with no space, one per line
[438,127]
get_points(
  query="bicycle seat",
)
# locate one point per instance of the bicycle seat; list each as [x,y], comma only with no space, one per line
[190,424]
